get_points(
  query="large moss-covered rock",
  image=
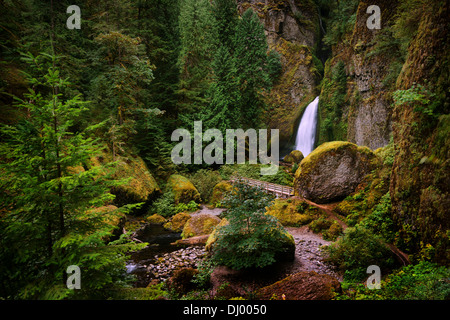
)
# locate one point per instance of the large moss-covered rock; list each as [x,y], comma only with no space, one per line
[333,171]
[140,186]
[156,219]
[199,225]
[219,192]
[306,285]
[183,189]
[287,213]
[177,222]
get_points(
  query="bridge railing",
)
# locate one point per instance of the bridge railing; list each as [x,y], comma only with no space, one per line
[278,189]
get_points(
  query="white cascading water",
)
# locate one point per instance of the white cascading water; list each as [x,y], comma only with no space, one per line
[306,133]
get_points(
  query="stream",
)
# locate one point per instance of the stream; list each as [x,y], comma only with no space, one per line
[159,243]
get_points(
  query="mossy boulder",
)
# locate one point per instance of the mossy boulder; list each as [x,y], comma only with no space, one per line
[295,156]
[287,214]
[199,225]
[156,219]
[177,222]
[333,171]
[183,189]
[306,285]
[140,186]
[219,192]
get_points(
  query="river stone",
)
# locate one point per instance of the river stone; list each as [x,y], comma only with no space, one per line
[333,171]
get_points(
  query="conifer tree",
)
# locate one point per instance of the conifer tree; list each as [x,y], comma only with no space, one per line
[50,195]
[255,69]
[197,47]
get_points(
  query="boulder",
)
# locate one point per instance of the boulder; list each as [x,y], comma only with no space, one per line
[333,171]
[140,185]
[156,219]
[219,192]
[286,211]
[306,285]
[200,225]
[183,189]
[177,222]
[296,156]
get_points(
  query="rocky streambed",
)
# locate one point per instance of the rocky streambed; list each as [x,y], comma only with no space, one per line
[167,263]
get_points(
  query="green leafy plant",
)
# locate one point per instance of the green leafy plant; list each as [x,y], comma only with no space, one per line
[357,249]
[164,205]
[251,238]
[424,101]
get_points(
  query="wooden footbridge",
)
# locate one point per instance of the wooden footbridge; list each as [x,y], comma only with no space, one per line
[279,190]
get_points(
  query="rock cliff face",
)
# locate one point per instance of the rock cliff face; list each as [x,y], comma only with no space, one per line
[364,108]
[420,185]
[292,29]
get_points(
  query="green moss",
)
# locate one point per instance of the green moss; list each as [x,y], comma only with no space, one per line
[139,186]
[294,156]
[154,292]
[286,213]
[199,225]
[182,189]
[177,222]
[328,148]
[219,192]
[156,219]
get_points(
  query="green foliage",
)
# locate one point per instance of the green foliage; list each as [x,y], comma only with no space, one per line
[164,205]
[189,207]
[253,171]
[357,249]
[205,180]
[203,277]
[423,100]
[380,221]
[52,218]
[423,281]
[251,238]
[341,19]
[332,103]
[197,47]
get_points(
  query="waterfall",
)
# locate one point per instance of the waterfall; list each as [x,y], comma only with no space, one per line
[306,132]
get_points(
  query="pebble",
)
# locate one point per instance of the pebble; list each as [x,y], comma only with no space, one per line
[164,265]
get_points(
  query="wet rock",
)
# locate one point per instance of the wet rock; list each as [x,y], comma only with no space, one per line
[165,266]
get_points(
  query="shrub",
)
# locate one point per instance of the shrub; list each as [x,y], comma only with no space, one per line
[424,281]
[191,206]
[358,249]
[205,180]
[251,238]
[164,205]
[380,221]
